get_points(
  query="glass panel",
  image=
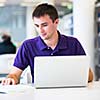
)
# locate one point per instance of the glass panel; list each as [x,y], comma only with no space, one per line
[66,18]
[13,21]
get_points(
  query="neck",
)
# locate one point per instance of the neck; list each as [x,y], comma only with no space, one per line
[52,42]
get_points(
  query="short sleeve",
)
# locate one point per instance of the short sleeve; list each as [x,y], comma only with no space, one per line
[21,59]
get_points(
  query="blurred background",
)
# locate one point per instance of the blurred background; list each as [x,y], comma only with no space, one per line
[15,17]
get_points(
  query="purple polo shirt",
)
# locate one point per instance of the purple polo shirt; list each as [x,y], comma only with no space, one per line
[30,48]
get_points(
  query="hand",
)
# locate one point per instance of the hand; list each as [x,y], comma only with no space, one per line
[8,81]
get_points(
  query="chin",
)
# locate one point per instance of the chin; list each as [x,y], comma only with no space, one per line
[44,38]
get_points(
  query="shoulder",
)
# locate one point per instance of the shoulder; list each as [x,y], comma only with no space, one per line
[69,38]
[31,41]
[70,41]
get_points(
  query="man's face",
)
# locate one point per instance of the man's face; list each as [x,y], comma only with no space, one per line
[45,26]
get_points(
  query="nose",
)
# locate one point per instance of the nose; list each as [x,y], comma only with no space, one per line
[41,30]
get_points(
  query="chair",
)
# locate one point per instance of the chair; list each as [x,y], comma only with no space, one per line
[6,61]
[26,76]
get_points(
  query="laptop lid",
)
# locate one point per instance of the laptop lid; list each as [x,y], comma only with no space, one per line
[61,71]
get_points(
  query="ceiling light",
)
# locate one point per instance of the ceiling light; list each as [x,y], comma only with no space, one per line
[29,2]
[2,3]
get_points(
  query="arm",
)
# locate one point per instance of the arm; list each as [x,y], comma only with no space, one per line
[90,78]
[12,78]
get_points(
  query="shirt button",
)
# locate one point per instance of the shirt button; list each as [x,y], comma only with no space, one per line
[48,48]
[51,53]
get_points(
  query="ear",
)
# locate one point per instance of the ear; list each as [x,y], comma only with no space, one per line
[56,21]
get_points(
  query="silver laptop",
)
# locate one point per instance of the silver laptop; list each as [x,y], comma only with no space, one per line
[61,71]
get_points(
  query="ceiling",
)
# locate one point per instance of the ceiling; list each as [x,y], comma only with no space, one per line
[33,2]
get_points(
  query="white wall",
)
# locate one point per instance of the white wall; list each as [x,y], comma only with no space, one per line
[83,14]
[30,30]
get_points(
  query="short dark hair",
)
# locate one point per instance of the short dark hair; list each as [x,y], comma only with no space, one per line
[6,37]
[45,9]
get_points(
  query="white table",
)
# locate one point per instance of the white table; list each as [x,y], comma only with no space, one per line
[92,92]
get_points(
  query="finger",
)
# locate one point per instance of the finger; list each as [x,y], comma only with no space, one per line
[13,82]
[3,81]
[9,81]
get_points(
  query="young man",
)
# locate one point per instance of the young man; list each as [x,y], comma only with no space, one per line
[50,42]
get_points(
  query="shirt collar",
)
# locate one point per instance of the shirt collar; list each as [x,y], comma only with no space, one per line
[41,44]
[62,44]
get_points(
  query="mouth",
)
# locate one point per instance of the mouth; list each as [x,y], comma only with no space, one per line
[44,34]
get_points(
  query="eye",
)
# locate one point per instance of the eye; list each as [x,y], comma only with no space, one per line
[36,25]
[44,25]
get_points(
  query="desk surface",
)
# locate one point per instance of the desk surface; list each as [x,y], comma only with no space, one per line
[27,92]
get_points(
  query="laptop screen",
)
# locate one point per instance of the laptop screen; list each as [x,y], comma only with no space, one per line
[61,71]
